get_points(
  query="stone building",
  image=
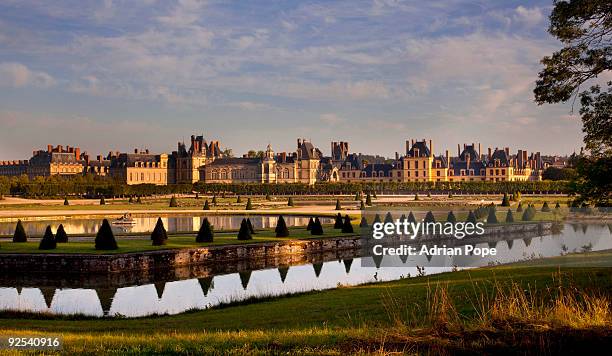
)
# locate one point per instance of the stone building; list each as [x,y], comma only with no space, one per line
[55,161]
[142,168]
[189,161]
[13,168]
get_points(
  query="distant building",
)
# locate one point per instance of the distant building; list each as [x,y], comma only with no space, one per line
[189,162]
[55,161]
[142,168]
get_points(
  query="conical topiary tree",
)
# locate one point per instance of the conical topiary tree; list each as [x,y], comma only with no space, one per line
[66,202]
[250,226]
[338,206]
[528,214]
[239,200]
[139,200]
[105,239]
[545,207]
[249,205]
[338,222]
[290,201]
[102,201]
[244,233]
[48,241]
[411,218]
[416,196]
[60,234]
[317,228]
[518,196]
[471,218]
[364,222]
[519,208]
[450,194]
[205,234]
[368,199]
[374,195]
[509,216]
[159,235]
[347,227]
[557,206]
[388,217]
[206,206]
[20,233]
[492,217]
[173,202]
[428,194]
[357,196]
[268,198]
[362,206]
[429,217]
[376,219]
[451,217]
[281,229]
[310,224]
[130,200]
[505,200]
[214,200]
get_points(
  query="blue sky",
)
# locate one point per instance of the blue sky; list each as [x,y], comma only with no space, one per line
[114,75]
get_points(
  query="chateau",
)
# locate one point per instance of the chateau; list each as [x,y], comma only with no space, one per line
[205,162]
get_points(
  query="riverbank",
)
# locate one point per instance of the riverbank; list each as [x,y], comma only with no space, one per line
[438,313]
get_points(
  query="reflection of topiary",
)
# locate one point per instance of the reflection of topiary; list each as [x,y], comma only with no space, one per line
[60,235]
[338,223]
[281,229]
[347,227]
[317,228]
[48,241]
[509,217]
[20,234]
[451,217]
[388,217]
[376,219]
[205,234]
[105,240]
[159,235]
[411,218]
[244,233]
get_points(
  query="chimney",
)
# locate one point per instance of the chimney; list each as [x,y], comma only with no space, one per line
[507,149]
[77,153]
[396,156]
[458,150]
[489,153]
[49,148]
[407,147]
[431,148]
[447,160]
[479,152]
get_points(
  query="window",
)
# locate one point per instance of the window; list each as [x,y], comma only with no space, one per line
[438,174]
[503,172]
[416,173]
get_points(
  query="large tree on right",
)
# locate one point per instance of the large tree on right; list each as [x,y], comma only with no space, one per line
[585,29]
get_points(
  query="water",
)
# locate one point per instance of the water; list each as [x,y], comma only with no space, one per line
[146,223]
[178,295]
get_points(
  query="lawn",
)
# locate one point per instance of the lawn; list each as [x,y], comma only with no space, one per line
[408,314]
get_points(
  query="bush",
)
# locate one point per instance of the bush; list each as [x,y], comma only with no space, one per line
[357,196]
[492,218]
[388,217]
[364,222]
[48,241]
[505,200]
[338,223]
[509,216]
[239,200]
[173,202]
[244,233]
[66,202]
[557,206]
[471,218]
[338,206]
[519,208]
[451,217]
[347,227]
[102,201]
[529,214]
[411,218]
[369,199]
[250,226]
[290,202]
[20,234]
[159,235]
[317,228]
[310,224]
[416,196]
[376,219]
[60,234]
[105,239]
[205,234]
[362,206]
[281,229]
[429,217]
[214,200]
[206,206]
[268,197]
[249,205]
[545,208]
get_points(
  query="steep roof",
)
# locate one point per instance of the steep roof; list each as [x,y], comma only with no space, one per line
[421,146]
[234,160]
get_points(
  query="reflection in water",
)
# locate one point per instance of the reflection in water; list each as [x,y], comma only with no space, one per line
[146,223]
[182,295]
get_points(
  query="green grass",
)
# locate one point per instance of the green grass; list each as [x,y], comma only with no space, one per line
[343,320]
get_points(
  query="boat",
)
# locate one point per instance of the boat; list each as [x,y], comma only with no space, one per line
[126,219]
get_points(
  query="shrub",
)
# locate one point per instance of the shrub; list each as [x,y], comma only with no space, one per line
[364,222]
[376,219]
[368,199]
[206,206]
[492,218]
[130,200]
[450,195]
[66,202]
[138,200]
[205,234]
[102,201]
[317,228]
[159,235]
[268,197]
[416,196]
[347,227]
[557,206]
[281,229]
[471,218]
[20,234]
[388,217]
[290,202]
[505,201]
[310,224]
[214,200]
[105,239]
[338,206]
[529,214]
[250,226]
[428,194]
[249,205]
[517,196]
[362,205]
[429,217]
[60,234]
[48,241]
[357,196]
[509,216]
[244,233]
[451,217]
[173,202]
[239,200]
[519,208]
[338,223]
[411,218]
[545,208]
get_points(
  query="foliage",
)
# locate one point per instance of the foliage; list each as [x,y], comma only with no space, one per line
[173,202]
[205,234]
[159,234]
[66,202]
[310,224]
[48,241]
[290,201]
[368,199]
[554,173]
[505,200]
[362,206]
[239,200]
[249,205]
[545,207]
[60,234]
[411,218]
[364,222]
[250,226]
[206,205]
[338,222]
[347,227]
[317,228]
[20,233]
[281,229]
[529,213]
[429,217]
[244,233]
[102,201]
[388,217]
[471,218]
[492,217]
[451,217]
[338,206]
[509,216]
[105,239]
[519,208]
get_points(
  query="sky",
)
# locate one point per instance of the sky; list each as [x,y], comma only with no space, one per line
[118,75]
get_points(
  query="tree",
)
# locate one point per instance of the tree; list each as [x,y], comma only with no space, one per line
[411,218]
[429,217]
[416,196]
[66,202]
[206,206]
[509,216]
[362,206]
[347,227]
[585,30]
[244,233]
[290,202]
[451,217]
[554,173]
[205,234]
[357,196]
[545,207]
[214,200]
[173,202]
[20,233]
[159,235]
[310,224]
[492,218]
[317,228]
[268,197]
[48,241]
[388,217]
[281,229]
[239,200]
[519,208]
[471,218]
[364,222]
[528,214]
[338,206]
[505,200]
[249,205]
[105,239]
[369,199]
[60,234]
[250,226]
[338,222]
[130,200]
[102,201]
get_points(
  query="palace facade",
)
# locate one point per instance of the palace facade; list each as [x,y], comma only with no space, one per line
[205,162]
